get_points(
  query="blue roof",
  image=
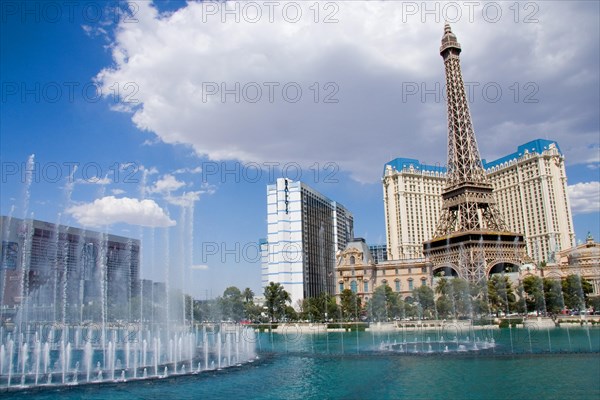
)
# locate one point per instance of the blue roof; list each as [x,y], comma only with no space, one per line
[535,146]
[400,163]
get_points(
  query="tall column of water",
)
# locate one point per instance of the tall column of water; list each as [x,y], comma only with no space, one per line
[228,341]
[144,353]
[135,358]
[46,357]
[38,355]
[127,354]
[218,345]
[112,357]
[205,345]
[156,356]
[2,357]
[87,359]
[103,242]
[5,236]
[24,357]
[63,361]
[27,237]
[167,320]
[181,347]
[545,309]
[68,357]
[237,344]
[11,350]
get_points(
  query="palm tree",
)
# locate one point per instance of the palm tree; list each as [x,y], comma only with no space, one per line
[248,295]
[275,299]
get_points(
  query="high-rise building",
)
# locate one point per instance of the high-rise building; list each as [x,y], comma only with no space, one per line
[65,273]
[305,230]
[530,186]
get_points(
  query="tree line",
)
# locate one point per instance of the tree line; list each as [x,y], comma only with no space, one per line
[450,298]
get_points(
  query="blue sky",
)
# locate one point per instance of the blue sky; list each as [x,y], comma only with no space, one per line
[173,141]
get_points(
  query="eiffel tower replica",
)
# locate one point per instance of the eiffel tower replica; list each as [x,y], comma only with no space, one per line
[471,238]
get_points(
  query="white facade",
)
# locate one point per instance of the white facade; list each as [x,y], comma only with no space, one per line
[305,230]
[530,186]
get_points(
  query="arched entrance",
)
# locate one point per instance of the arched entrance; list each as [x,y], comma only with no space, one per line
[503,267]
[445,271]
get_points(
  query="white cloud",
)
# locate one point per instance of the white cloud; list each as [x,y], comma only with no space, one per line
[94,180]
[370,55]
[585,197]
[184,200]
[196,170]
[111,210]
[199,267]
[117,192]
[168,183]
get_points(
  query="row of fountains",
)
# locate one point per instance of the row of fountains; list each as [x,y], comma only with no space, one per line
[442,345]
[75,310]
[48,358]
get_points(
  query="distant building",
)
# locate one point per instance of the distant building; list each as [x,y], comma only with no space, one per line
[357,270]
[379,252]
[58,272]
[530,186]
[305,230]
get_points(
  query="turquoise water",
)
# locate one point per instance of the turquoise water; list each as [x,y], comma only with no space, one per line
[351,366]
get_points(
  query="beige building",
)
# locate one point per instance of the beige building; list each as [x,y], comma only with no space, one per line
[356,270]
[530,186]
[583,260]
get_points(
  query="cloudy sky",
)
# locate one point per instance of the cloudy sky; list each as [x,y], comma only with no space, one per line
[166,120]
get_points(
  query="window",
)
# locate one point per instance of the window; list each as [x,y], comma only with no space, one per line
[353,286]
[366,286]
[423,282]
[409,270]
[352,260]
[397,285]
[341,287]
[423,270]
[410,284]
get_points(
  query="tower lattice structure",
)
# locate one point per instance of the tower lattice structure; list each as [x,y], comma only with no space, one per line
[471,237]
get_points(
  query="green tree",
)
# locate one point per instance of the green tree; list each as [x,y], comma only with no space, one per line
[443,306]
[232,305]
[276,299]
[500,294]
[575,291]
[457,297]
[442,287]
[461,297]
[385,304]
[479,299]
[533,287]
[252,311]
[424,299]
[350,304]
[443,303]
[290,313]
[594,302]
[248,295]
[553,297]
